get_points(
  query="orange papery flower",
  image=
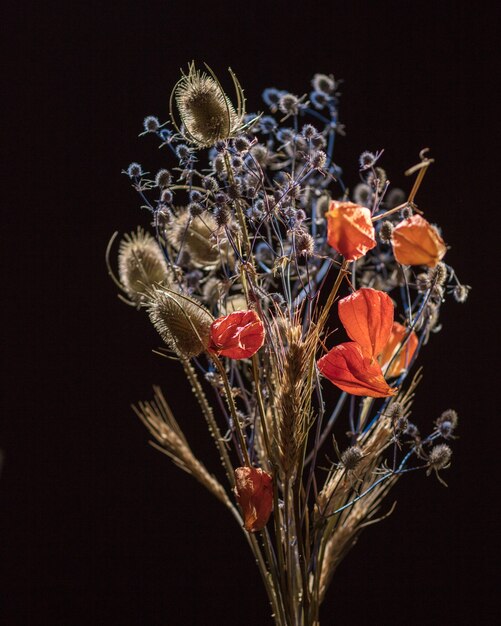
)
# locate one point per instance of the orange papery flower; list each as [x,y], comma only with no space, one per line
[416,242]
[349,229]
[367,316]
[350,369]
[238,335]
[400,362]
[254,492]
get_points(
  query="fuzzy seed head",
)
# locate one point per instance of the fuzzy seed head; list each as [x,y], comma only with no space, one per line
[440,457]
[386,232]
[205,110]
[351,457]
[305,244]
[323,83]
[141,264]
[460,293]
[182,323]
[447,423]
[438,274]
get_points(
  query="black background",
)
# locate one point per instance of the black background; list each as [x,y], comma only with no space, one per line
[96,526]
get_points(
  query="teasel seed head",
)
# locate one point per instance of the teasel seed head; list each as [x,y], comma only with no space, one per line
[351,457]
[206,112]
[386,232]
[439,457]
[181,321]
[141,264]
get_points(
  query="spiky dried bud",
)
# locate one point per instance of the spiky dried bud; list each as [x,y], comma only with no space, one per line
[438,274]
[309,131]
[439,457]
[210,184]
[460,293]
[163,178]
[205,110]
[412,431]
[195,235]
[182,323]
[319,159]
[447,423]
[385,232]
[167,196]
[351,457]
[406,212]
[367,160]
[134,170]
[222,214]
[151,124]
[141,264]
[304,242]
[195,209]
[241,143]
[289,104]
[323,83]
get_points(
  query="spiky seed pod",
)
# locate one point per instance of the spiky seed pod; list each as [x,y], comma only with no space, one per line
[305,244]
[438,274]
[205,110]
[351,457]
[423,282]
[460,293]
[141,264]
[447,422]
[439,458]
[182,322]
[196,236]
[385,232]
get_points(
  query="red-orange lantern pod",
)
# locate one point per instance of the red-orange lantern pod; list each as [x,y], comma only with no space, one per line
[349,229]
[350,369]
[399,362]
[367,316]
[254,493]
[238,335]
[416,242]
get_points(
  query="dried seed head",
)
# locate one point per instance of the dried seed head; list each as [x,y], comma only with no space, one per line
[134,170]
[386,231]
[305,244]
[289,104]
[438,274]
[422,282]
[182,323]
[351,457]
[439,458]
[141,264]
[447,423]
[222,214]
[323,83]
[319,159]
[195,235]
[205,110]
[460,293]
[151,124]
[367,160]
[412,431]
[406,212]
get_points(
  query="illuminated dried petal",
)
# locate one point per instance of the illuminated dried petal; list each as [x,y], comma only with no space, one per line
[416,242]
[254,492]
[401,362]
[238,335]
[347,367]
[349,229]
[367,316]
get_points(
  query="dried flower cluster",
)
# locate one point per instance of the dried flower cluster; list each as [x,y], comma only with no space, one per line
[258,252]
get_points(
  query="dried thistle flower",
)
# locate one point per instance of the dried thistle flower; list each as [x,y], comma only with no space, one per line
[182,322]
[206,112]
[351,457]
[439,458]
[141,264]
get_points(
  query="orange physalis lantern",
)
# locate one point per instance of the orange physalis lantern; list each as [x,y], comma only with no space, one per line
[416,242]
[349,229]
[238,335]
[367,316]
[254,492]
[347,367]
[404,357]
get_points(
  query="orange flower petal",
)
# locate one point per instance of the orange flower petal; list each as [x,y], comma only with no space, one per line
[367,316]
[400,362]
[238,335]
[347,367]
[416,242]
[254,493]
[349,229]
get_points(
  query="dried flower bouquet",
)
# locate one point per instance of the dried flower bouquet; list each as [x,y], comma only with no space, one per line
[258,252]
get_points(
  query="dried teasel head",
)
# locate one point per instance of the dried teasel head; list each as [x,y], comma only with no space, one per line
[206,112]
[141,264]
[197,236]
[182,322]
